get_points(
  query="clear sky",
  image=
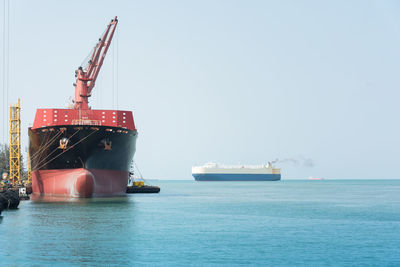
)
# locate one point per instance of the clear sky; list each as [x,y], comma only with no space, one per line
[225,81]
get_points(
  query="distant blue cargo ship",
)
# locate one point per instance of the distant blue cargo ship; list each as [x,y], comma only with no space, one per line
[215,172]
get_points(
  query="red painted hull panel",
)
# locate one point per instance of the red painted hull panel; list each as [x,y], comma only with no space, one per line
[79,182]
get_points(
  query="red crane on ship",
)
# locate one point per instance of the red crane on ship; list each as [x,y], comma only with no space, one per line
[86,77]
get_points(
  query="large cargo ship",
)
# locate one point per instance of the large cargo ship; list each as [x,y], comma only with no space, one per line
[216,172]
[79,151]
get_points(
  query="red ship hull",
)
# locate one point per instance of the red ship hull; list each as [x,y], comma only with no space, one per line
[79,182]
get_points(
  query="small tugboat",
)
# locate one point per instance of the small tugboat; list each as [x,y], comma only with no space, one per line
[315,178]
[136,184]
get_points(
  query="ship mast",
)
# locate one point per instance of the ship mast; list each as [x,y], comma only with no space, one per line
[86,77]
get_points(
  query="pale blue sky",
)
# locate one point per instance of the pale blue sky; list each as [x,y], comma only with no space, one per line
[226,81]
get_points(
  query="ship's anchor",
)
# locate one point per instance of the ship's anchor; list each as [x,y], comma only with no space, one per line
[63,143]
[107,144]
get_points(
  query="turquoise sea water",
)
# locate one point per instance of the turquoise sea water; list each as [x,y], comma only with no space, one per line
[285,223]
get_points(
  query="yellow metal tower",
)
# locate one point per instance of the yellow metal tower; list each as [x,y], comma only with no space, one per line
[15,143]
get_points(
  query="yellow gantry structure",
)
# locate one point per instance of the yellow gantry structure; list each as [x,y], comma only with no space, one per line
[15,143]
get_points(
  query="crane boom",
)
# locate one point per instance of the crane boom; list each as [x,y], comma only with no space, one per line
[86,78]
